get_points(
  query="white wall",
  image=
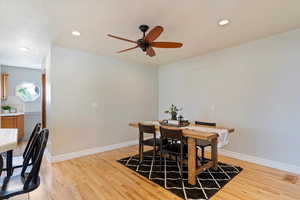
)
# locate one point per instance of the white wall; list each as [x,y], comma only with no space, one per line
[253,87]
[93,98]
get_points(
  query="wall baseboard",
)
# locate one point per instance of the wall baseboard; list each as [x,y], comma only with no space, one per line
[261,161]
[86,152]
[47,154]
[253,159]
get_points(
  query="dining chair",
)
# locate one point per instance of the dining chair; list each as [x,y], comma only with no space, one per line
[203,143]
[34,133]
[26,182]
[177,147]
[154,142]
[18,160]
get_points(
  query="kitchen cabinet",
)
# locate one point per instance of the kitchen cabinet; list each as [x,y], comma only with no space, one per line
[15,121]
[4,77]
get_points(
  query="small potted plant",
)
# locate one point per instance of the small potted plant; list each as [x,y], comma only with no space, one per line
[6,108]
[173,111]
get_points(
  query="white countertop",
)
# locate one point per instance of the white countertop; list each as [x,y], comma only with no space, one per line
[11,114]
[8,139]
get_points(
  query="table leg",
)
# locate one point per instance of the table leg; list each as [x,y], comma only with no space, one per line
[142,153]
[214,152]
[141,148]
[192,159]
[9,158]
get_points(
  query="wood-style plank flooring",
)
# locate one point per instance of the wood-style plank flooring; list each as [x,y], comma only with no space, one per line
[100,177]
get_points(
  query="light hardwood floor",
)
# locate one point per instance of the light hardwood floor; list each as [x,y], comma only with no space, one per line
[100,177]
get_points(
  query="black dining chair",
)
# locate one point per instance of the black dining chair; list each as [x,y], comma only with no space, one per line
[26,182]
[154,142]
[203,143]
[177,147]
[18,160]
[34,133]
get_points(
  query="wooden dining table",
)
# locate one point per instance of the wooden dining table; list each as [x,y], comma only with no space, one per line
[8,142]
[192,137]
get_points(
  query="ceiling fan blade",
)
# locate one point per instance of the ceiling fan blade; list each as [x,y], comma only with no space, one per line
[150,52]
[113,36]
[153,34]
[128,49]
[166,44]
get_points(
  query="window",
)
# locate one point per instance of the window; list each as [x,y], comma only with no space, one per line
[28,92]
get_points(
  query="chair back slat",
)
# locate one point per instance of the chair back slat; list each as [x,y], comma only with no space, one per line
[143,128]
[173,134]
[1,164]
[35,131]
[35,154]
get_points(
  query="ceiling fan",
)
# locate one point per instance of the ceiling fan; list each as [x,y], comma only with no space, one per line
[146,43]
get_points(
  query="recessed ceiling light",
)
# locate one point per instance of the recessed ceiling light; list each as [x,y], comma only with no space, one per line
[76,33]
[224,22]
[24,49]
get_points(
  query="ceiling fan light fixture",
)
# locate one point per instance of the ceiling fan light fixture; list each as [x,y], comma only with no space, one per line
[76,33]
[224,22]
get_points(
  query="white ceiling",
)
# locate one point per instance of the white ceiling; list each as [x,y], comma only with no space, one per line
[37,23]
[23,24]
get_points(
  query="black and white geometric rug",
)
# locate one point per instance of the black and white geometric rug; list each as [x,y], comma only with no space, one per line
[209,182]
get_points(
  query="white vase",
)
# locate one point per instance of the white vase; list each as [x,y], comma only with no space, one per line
[5,111]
